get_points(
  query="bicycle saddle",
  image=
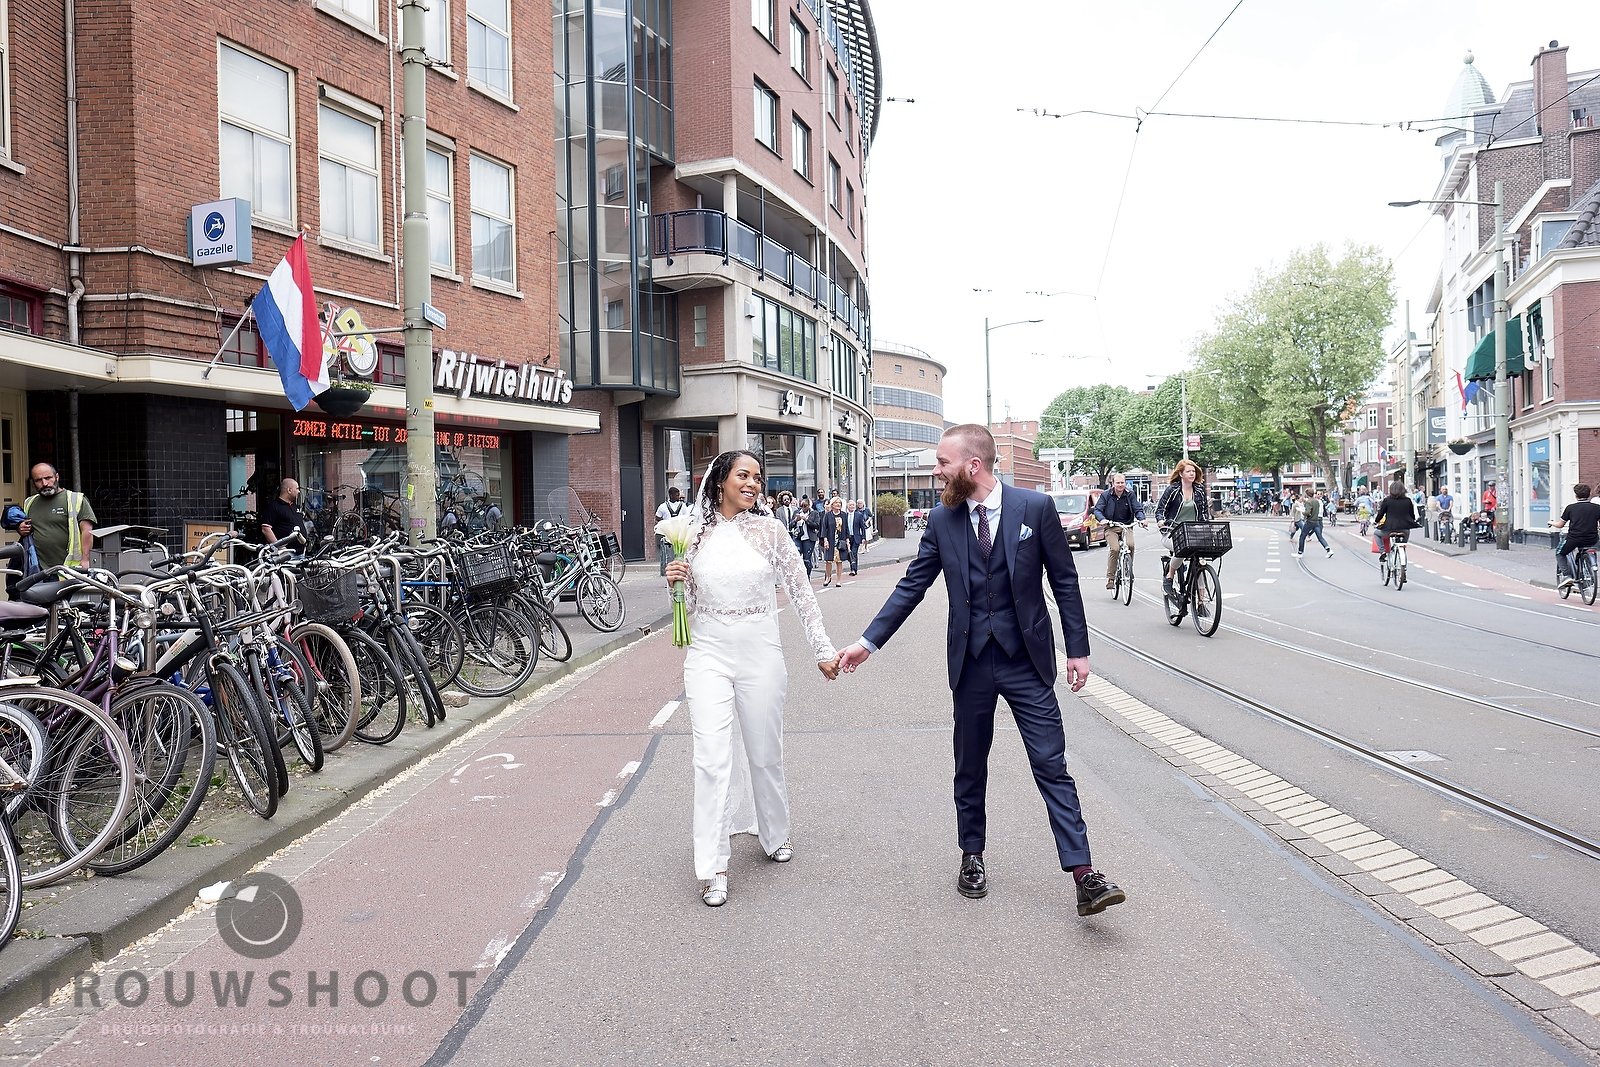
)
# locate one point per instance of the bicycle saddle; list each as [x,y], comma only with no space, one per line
[547,559]
[15,616]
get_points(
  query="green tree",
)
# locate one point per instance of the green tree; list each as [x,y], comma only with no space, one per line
[1090,420]
[1286,360]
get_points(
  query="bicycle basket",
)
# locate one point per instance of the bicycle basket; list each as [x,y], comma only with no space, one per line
[1199,540]
[488,568]
[610,546]
[329,596]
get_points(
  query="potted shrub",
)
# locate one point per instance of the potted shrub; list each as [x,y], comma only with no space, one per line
[344,397]
[891,514]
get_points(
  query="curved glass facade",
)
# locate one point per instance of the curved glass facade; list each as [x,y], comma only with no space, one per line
[895,430]
[910,399]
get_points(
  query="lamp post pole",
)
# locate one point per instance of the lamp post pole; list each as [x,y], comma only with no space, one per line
[1183,411]
[1502,388]
[988,389]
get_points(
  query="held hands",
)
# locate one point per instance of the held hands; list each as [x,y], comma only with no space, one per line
[852,657]
[829,668]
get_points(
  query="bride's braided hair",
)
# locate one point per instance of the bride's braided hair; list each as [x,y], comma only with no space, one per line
[711,494]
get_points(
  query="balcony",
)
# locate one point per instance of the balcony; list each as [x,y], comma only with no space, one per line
[703,232]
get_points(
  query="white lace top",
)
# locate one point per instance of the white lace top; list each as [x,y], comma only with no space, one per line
[735,567]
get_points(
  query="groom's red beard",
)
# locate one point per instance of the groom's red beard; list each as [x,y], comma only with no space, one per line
[957,488]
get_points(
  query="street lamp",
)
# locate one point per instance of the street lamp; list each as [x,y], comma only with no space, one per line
[1183,406]
[988,388]
[1502,424]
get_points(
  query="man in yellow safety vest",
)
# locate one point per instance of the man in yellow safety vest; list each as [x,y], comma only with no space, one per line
[60,520]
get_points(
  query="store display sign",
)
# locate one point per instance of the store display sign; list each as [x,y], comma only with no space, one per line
[219,233]
[470,375]
[378,434]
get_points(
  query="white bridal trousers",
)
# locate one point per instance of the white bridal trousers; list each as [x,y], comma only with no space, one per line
[736,682]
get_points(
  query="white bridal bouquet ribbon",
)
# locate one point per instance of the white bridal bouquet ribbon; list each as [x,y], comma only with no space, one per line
[676,531]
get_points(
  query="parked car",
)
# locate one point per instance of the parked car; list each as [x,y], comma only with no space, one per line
[1076,508]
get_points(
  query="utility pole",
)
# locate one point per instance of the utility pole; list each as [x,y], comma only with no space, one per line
[1183,411]
[417,280]
[1408,441]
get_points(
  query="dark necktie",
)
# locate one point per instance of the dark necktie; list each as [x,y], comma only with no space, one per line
[985,540]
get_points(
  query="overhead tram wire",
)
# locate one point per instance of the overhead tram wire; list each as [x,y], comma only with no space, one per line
[1535,114]
[1196,55]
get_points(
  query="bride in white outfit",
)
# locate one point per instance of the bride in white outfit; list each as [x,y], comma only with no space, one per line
[734,667]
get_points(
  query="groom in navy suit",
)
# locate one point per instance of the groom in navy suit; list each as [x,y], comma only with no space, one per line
[995,545]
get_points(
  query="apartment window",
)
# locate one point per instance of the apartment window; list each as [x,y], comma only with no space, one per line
[764,16]
[1372,418]
[245,350]
[898,369]
[830,94]
[784,340]
[436,41]
[800,148]
[347,159]
[256,145]
[766,116]
[833,183]
[1388,416]
[922,372]
[489,46]
[850,206]
[19,313]
[494,231]
[391,365]
[616,318]
[440,167]
[700,326]
[845,378]
[365,11]
[849,119]
[800,48]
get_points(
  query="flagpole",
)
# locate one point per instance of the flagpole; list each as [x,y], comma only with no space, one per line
[231,335]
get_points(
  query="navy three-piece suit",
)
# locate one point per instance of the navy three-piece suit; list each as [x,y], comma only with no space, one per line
[1000,644]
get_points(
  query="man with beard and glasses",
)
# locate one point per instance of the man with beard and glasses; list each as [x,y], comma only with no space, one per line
[996,545]
[60,520]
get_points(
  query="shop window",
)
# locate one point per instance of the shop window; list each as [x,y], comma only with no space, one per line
[256,150]
[494,234]
[241,420]
[347,161]
[489,46]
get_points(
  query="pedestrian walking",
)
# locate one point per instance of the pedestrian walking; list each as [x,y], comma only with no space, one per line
[858,535]
[834,542]
[734,668]
[1311,523]
[996,546]
[60,521]
[670,508]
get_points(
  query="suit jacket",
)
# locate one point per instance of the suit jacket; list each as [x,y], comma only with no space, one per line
[826,535]
[858,526]
[945,548]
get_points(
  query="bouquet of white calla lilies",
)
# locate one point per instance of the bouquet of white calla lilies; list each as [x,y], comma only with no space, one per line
[676,531]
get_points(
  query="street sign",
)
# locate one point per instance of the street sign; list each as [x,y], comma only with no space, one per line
[219,233]
[1193,444]
[434,316]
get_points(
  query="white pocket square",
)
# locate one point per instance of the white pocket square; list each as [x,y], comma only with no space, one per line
[1025,533]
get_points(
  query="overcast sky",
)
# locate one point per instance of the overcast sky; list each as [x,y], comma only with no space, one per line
[966,192]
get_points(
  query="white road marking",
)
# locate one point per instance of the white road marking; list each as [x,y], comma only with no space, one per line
[1265,581]
[609,799]
[1519,596]
[1230,596]
[1274,570]
[493,953]
[1469,585]
[664,714]
[547,884]
[628,770]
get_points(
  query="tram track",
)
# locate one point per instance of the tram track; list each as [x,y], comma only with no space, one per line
[1510,814]
[1418,683]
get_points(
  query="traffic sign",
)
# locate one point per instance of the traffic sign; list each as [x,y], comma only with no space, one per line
[1193,444]
[433,315]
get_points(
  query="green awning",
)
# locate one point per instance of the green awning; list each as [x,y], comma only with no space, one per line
[1480,365]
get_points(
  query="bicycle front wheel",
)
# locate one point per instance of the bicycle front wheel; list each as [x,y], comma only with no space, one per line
[1585,569]
[502,651]
[175,747]
[247,739]
[1125,579]
[83,793]
[1206,600]
[384,693]
[555,644]
[1400,573]
[333,682]
[600,602]
[10,883]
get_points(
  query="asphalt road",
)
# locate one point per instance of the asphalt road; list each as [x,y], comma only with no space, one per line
[548,856]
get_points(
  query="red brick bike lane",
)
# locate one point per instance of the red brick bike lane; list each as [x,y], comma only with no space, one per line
[410,899]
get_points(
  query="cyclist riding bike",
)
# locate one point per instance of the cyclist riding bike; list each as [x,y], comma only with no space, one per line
[1581,519]
[1397,516]
[1118,505]
[1446,502]
[1183,501]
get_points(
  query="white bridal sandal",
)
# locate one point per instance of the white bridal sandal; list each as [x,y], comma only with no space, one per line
[715,892]
[783,853]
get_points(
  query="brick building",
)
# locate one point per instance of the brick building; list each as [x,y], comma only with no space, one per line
[1541,142]
[1014,460]
[294,109]
[712,221]
[684,274]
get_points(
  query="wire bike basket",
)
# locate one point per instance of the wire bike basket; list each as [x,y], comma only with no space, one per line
[1201,540]
[329,596]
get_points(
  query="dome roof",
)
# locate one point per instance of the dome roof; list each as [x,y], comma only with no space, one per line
[1470,92]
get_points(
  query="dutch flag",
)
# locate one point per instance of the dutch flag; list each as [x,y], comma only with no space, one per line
[286,312]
